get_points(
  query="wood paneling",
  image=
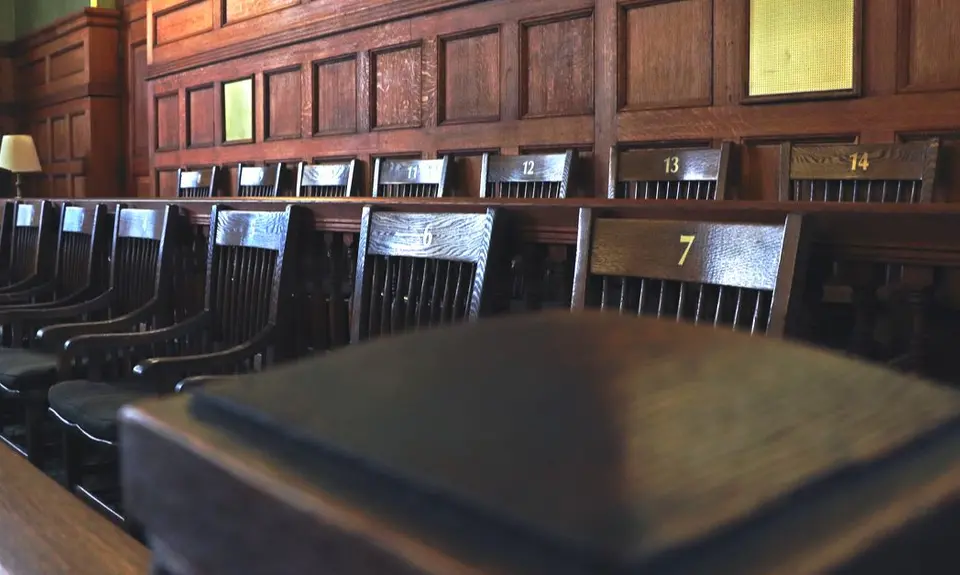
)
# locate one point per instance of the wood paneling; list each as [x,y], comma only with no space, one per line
[282,101]
[377,78]
[167,112]
[470,68]
[397,85]
[70,97]
[200,115]
[335,96]
[8,108]
[557,67]
[236,10]
[666,48]
[182,20]
[927,26]
[137,99]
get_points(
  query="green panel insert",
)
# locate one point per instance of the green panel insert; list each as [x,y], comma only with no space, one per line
[238,110]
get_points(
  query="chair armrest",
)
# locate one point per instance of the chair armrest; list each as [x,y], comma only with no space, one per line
[22,284]
[198,381]
[99,341]
[14,297]
[52,337]
[72,299]
[13,314]
[158,368]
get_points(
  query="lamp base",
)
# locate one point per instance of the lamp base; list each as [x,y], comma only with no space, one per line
[17,184]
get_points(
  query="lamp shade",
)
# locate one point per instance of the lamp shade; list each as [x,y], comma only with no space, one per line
[18,154]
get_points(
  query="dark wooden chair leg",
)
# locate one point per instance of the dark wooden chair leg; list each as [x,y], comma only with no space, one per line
[73,448]
[35,414]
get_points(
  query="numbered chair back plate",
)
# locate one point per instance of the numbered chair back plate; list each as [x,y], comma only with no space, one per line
[736,255]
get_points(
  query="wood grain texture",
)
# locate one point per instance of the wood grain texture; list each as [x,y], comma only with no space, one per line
[470,72]
[666,54]
[505,76]
[200,117]
[556,60]
[48,531]
[397,86]
[925,27]
[69,77]
[741,255]
[636,387]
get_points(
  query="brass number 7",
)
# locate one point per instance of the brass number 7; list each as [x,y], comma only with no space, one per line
[686,239]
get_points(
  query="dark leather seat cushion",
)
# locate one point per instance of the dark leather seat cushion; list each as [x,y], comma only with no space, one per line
[93,405]
[21,369]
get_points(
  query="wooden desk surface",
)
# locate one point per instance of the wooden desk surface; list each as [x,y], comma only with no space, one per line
[811,463]
[44,530]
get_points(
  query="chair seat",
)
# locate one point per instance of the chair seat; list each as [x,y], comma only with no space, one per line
[22,369]
[92,406]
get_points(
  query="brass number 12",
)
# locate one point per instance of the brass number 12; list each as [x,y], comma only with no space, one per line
[672,164]
[859,161]
[685,239]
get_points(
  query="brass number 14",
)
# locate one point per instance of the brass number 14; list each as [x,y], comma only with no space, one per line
[860,161]
[672,164]
[688,240]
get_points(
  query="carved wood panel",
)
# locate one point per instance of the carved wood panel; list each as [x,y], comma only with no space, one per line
[70,98]
[387,77]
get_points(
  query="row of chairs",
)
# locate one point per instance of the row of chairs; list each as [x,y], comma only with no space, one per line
[898,173]
[105,330]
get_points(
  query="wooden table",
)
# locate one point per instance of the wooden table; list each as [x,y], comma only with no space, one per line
[44,530]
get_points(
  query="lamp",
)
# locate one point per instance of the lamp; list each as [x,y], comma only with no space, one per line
[19,155]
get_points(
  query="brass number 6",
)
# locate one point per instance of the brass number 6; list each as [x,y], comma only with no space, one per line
[860,161]
[672,164]
[688,240]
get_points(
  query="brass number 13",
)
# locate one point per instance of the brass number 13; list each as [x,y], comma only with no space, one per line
[672,164]
[860,161]
[688,240]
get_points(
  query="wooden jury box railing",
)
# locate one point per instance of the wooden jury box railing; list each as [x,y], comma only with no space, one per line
[922,235]
[856,250]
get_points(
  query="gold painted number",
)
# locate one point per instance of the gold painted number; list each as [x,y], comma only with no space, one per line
[859,161]
[688,240]
[672,164]
[528,168]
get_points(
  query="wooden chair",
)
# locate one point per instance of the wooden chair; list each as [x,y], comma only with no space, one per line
[259,181]
[239,329]
[747,277]
[198,183]
[420,270]
[867,173]
[143,256]
[7,214]
[79,265]
[410,178]
[531,176]
[328,180]
[883,173]
[31,246]
[669,174]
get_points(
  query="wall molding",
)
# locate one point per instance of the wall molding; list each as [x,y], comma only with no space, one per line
[294,25]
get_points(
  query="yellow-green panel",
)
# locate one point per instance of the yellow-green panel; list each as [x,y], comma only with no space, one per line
[238,110]
[799,46]
[8,30]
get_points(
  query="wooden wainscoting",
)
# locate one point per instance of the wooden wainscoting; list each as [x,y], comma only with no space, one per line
[68,86]
[412,78]
[135,99]
[8,108]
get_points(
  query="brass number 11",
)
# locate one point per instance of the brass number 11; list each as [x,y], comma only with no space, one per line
[860,161]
